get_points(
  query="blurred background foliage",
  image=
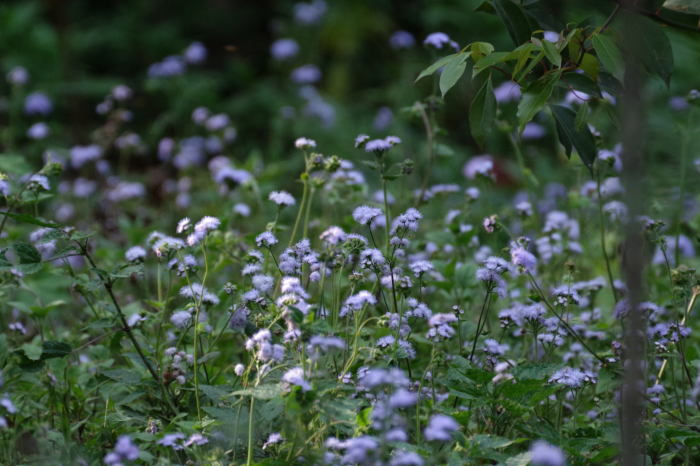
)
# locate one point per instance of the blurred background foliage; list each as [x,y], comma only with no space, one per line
[77,50]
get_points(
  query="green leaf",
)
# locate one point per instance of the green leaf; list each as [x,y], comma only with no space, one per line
[480,49]
[489,60]
[523,459]
[25,218]
[653,48]
[606,453]
[54,349]
[552,53]
[101,323]
[136,394]
[435,66]
[30,260]
[42,311]
[482,113]
[580,82]
[452,72]
[125,271]
[523,56]
[534,98]
[610,56]
[583,141]
[581,117]
[589,64]
[4,351]
[123,376]
[534,371]
[610,111]
[261,392]
[575,39]
[516,21]
[65,252]
[490,441]
[216,393]
[689,7]
[535,61]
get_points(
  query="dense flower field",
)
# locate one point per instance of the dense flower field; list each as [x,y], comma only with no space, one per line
[173,300]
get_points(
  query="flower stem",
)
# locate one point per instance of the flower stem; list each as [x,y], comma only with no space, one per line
[602,236]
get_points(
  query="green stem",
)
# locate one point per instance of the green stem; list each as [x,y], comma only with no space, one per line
[388,218]
[250,433]
[301,209]
[602,236]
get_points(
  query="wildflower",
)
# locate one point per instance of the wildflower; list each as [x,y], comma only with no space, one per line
[472,193]
[198,292]
[333,235]
[196,438]
[284,49]
[309,14]
[522,259]
[421,267]
[544,454]
[239,369]
[241,209]
[266,238]
[490,223]
[80,155]
[372,258]
[480,166]
[402,398]
[195,53]
[378,146]
[170,440]
[38,131]
[124,450]
[617,211]
[303,143]
[438,39]
[17,327]
[273,439]
[365,214]
[408,221]
[295,376]
[37,182]
[183,225]
[307,74]
[282,198]
[360,299]
[573,378]
[440,327]
[135,253]
[361,141]
[439,428]
[38,103]
[565,294]
[18,76]
[401,40]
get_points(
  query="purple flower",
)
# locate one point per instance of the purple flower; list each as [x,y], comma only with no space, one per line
[383,119]
[195,54]
[401,40]
[38,103]
[309,14]
[18,76]
[284,49]
[307,74]
[544,454]
[38,131]
[438,39]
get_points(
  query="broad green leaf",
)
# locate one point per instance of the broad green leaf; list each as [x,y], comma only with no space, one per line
[589,64]
[575,44]
[609,84]
[516,21]
[480,50]
[581,83]
[552,53]
[54,349]
[523,56]
[216,393]
[523,459]
[535,61]
[566,40]
[610,111]
[136,394]
[261,392]
[452,72]
[490,441]
[30,260]
[610,56]
[25,218]
[42,311]
[489,60]
[534,98]
[482,113]
[606,453]
[79,235]
[581,117]
[689,7]
[583,141]
[123,376]
[65,252]
[125,271]
[534,371]
[14,164]
[102,323]
[435,66]
[4,352]
[653,47]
